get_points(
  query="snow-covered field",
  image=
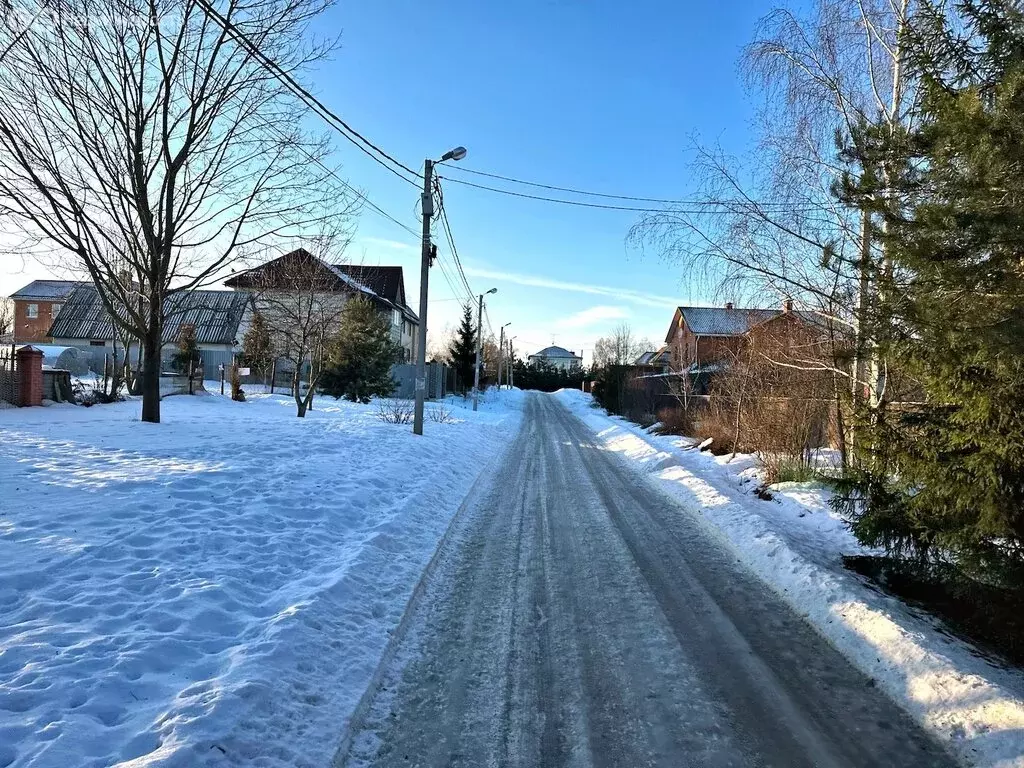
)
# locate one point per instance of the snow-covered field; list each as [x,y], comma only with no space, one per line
[795,543]
[216,589]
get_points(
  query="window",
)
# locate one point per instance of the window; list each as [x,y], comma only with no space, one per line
[55,309]
[95,343]
[31,311]
[396,317]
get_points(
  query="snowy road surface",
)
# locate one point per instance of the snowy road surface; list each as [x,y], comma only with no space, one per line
[578,617]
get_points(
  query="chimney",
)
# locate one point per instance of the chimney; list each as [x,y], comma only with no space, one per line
[728,305]
[787,305]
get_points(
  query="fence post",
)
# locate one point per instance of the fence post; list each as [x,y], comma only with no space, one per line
[273,375]
[221,378]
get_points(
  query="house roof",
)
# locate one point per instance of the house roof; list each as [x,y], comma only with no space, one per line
[388,282]
[654,357]
[724,321]
[215,315]
[719,321]
[556,352]
[385,285]
[47,289]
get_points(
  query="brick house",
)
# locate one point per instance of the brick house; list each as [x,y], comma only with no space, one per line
[36,306]
[702,338]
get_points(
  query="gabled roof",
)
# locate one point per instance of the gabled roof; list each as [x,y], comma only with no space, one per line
[719,321]
[215,315]
[655,357]
[554,352]
[384,285]
[726,321]
[51,290]
[388,282]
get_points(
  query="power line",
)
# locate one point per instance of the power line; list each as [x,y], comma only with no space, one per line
[588,193]
[311,101]
[604,206]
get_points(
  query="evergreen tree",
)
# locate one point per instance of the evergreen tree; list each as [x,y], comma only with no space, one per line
[359,357]
[944,476]
[187,357]
[257,347]
[462,353]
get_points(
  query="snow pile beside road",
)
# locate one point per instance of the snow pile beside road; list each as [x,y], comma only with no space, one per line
[216,589]
[795,543]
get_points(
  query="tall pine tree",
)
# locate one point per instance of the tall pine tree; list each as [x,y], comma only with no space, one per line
[462,353]
[945,478]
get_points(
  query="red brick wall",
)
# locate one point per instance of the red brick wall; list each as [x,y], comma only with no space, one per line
[30,376]
[687,348]
[28,329]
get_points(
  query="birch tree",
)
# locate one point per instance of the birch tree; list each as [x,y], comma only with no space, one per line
[148,133]
[777,224]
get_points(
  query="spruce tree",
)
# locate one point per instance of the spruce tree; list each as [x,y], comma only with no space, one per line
[945,478]
[187,357]
[462,353]
[257,347]
[358,359]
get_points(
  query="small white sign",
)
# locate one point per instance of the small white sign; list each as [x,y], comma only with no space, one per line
[243,371]
[421,385]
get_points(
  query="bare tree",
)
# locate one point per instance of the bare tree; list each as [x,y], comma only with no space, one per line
[620,348]
[6,317]
[149,133]
[775,225]
[299,299]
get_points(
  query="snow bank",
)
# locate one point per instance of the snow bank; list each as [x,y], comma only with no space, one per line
[795,544]
[216,589]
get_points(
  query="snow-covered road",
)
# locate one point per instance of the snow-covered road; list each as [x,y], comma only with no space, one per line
[577,616]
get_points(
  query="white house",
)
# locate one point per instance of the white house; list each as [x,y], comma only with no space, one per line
[557,356]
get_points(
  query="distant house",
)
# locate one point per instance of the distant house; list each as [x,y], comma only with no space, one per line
[219,319]
[384,286]
[36,306]
[660,358]
[558,357]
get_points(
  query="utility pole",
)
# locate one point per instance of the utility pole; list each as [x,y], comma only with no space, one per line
[427,251]
[479,345]
[511,363]
[501,350]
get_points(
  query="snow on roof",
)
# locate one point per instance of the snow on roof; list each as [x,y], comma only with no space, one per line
[556,352]
[720,321]
[47,289]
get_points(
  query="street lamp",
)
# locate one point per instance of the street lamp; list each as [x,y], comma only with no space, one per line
[479,344]
[501,350]
[426,256]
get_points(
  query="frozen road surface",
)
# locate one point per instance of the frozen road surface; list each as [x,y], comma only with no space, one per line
[577,617]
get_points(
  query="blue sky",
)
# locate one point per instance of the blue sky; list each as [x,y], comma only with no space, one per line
[599,95]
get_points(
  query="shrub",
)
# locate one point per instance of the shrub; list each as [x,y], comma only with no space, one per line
[392,410]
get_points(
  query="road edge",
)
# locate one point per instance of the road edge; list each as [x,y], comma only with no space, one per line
[983,733]
[409,613]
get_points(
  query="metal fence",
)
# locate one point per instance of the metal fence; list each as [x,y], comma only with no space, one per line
[8,374]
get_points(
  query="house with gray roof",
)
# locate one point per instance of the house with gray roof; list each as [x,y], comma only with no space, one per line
[36,306]
[219,319]
[702,338]
[558,357]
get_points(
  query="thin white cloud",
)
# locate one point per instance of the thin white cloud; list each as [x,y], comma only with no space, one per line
[394,245]
[537,281]
[592,316]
